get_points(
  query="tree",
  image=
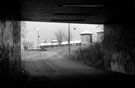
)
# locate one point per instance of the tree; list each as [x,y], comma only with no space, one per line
[23,29]
[45,41]
[59,36]
[66,37]
[27,44]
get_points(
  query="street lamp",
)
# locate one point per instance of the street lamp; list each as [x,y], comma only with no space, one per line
[69,38]
[38,35]
[74,35]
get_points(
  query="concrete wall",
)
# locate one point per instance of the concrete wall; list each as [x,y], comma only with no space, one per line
[10,55]
[119,47]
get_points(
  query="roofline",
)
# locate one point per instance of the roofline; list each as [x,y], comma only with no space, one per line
[86,34]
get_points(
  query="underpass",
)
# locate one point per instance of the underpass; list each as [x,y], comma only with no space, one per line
[52,69]
[113,14]
[38,62]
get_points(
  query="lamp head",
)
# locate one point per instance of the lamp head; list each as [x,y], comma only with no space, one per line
[36,28]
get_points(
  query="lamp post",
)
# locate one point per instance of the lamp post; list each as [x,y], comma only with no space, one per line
[40,55]
[74,36]
[69,38]
[38,35]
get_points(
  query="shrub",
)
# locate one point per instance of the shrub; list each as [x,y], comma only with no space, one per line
[91,55]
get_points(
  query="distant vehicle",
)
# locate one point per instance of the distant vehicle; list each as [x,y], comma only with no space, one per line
[43,48]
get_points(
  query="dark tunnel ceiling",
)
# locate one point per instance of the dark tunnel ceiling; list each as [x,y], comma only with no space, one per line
[73,11]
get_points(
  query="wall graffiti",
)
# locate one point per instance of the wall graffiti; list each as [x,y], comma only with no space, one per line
[119,45]
[123,62]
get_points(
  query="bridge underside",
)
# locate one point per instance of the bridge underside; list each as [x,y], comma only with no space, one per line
[73,11]
[116,16]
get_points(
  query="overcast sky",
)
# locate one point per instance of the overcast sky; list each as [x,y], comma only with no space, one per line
[47,30]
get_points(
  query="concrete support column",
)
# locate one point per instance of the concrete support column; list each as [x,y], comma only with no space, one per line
[10,50]
[119,46]
[108,40]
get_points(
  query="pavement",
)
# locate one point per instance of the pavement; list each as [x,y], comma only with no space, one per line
[50,69]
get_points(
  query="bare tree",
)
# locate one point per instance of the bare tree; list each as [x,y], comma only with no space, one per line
[66,37]
[59,36]
[23,29]
[27,44]
[45,41]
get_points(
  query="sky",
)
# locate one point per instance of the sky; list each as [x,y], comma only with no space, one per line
[47,30]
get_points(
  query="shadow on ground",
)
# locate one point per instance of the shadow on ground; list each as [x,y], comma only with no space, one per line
[54,72]
[92,79]
[78,81]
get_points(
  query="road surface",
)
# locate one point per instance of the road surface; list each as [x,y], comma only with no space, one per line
[52,69]
[52,63]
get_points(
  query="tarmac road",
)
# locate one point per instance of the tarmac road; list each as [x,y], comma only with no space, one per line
[51,69]
[46,63]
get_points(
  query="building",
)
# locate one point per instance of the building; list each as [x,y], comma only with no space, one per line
[55,44]
[100,36]
[86,38]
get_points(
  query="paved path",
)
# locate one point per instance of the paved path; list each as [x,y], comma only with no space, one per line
[52,69]
[52,62]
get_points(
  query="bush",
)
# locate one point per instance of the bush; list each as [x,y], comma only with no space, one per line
[92,55]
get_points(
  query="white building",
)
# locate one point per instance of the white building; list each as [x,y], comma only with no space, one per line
[76,42]
[86,37]
[100,36]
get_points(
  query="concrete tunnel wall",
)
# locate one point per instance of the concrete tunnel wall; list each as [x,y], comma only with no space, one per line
[10,56]
[119,48]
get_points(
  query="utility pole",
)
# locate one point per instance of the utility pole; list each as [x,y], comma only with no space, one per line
[37,29]
[38,35]
[69,38]
[74,36]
